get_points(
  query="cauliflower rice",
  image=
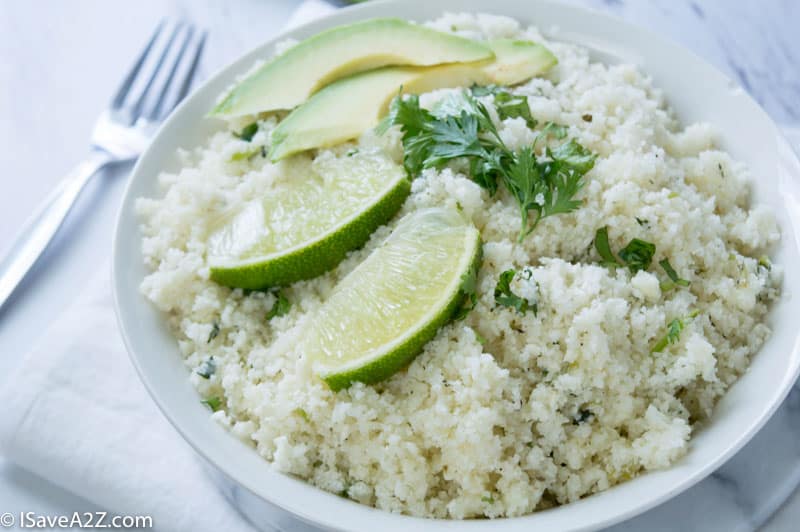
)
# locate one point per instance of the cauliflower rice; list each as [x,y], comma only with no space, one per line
[502,414]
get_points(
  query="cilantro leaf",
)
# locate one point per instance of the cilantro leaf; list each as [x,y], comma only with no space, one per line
[564,173]
[638,255]
[674,279]
[505,297]
[513,106]
[524,182]
[454,137]
[572,157]
[453,104]
[279,308]
[508,105]
[430,141]
[248,132]
[551,129]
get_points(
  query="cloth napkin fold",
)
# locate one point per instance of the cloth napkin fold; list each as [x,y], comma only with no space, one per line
[76,414]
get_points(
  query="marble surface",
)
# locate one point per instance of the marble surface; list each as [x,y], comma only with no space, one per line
[59,62]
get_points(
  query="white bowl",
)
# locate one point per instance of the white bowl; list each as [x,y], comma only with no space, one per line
[696,91]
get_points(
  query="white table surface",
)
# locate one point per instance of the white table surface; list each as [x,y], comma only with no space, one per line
[61,60]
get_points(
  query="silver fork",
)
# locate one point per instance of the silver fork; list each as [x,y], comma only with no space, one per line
[160,78]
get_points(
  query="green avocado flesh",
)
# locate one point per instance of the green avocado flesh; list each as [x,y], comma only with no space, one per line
[346,108]
[293,76]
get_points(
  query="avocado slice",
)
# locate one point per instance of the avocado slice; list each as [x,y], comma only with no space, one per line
[346,108]
[292,77]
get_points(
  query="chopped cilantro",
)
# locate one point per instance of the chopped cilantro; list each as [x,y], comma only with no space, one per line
[279,308]
[603,248]
[214,403]
[582,416]
[245,155]
[674,279]
[674,329]
[764,262]
[302,413]
[638,255]
[248,132]
[461,128]
[214,332]
[488,500]
[505,297]
[207,368]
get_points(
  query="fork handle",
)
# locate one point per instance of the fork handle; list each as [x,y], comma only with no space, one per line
[38,230]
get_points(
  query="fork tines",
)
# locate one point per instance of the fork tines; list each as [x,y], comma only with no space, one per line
[162,75]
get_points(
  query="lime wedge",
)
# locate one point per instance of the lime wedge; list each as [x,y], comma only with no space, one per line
[381,315]
[306,226]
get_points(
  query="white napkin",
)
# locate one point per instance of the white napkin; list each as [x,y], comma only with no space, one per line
[75,413]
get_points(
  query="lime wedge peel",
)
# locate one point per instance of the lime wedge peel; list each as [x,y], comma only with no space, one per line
[383,313]
[306,226]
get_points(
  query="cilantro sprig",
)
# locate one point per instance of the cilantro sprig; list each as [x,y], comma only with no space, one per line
[461,128]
